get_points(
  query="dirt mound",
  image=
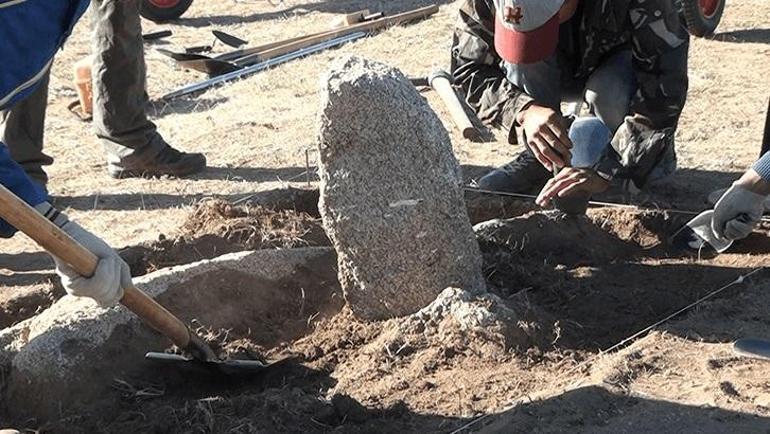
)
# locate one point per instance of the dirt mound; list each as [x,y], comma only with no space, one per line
[215,227]
[577,285]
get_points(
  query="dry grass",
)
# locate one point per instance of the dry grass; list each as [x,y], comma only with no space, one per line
[255,132]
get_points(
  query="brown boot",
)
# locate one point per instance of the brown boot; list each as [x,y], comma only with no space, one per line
[168,162]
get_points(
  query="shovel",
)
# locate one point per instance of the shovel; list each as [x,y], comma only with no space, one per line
[57,242]
[238,59]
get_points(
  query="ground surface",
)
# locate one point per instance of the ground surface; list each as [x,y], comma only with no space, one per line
[256,134]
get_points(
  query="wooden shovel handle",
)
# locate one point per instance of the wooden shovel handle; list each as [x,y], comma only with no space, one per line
[331,34]
[49,236]
[440,82]
[243,52]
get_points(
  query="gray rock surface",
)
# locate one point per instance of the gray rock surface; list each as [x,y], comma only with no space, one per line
[391,200]
[69,356]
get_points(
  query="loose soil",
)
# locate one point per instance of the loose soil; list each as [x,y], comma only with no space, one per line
[348,376]
[344,375]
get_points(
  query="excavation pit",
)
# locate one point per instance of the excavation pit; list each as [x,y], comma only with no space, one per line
[580,284]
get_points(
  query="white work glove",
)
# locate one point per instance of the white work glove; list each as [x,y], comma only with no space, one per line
[737,213]
[112,274]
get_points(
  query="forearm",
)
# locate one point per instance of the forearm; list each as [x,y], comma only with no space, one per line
[762,168]
[757,179]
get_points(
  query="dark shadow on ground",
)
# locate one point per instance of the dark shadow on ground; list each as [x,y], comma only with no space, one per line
[283,11]
[259,174]
[159,109]
[757,36]
[594,409]
[27,279]
[600,288]
[286,398]
[26,261]
[280,198]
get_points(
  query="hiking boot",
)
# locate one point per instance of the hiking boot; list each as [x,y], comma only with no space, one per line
[169,161]
[522,175]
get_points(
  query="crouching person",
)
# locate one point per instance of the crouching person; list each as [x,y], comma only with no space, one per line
[518,60]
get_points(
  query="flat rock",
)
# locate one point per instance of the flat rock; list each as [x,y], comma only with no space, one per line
[391,200]
[69,356]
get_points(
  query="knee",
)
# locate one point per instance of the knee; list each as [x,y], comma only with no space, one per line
[609,104]
[589,136]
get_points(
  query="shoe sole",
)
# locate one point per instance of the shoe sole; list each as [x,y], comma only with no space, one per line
[122,174]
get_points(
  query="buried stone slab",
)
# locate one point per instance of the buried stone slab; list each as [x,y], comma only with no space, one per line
[68,357]
[391,200]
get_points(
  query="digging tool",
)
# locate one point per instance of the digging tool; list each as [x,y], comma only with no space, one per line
[228,62]
[441,82]
[152,36]
[198,49]
[754,348]
[212,67]
[351,18]
[369,26]
[23,217]
[181,56]
[241,73]
[229,39]
[222,63]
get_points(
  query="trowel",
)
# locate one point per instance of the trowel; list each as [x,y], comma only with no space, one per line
[698,232]
[24,218]
[754,348]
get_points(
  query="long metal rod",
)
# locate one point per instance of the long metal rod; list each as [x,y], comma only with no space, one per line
[242,73]
[595,203]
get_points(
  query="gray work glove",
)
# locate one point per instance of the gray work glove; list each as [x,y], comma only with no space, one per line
[112,274]
[737,213]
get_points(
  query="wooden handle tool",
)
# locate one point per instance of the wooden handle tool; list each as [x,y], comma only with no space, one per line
[441,82]
[49,236]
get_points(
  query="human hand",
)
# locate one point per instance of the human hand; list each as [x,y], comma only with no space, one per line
[546,136]
[111,276]
[737,213]
[571,182]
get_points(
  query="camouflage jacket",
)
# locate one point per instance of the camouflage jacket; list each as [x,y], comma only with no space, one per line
[659,44]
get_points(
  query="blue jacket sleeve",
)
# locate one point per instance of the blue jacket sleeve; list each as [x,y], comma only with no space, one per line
[13,177]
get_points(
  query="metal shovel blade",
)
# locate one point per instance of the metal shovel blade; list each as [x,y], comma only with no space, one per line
[181,56]
[211,67]
[754,348]
[229,39]
[227,367]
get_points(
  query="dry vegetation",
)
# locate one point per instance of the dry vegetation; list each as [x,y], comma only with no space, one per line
[257,134]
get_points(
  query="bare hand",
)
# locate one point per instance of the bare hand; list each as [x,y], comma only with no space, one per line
[546,136]
[571,181]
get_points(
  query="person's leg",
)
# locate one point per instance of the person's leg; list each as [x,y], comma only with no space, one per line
[610,88]
[131,141]
[590,137]
[22,128]
[609,91]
